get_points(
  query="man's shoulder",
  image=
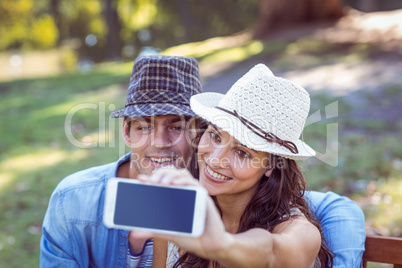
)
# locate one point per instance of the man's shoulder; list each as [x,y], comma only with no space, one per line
[332,203]
[90,176]
[326,198]
[80,195]
[87,177]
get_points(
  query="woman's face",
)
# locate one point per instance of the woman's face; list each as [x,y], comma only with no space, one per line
[227,167]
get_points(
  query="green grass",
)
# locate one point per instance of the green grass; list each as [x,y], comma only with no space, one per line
[35,153]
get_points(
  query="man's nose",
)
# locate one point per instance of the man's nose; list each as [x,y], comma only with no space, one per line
[161,138]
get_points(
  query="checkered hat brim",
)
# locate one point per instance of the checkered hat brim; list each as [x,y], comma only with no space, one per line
[161,85]
[154,109]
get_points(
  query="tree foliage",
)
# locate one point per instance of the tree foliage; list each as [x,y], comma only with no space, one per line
[120,28]
[23,24]
[33,24]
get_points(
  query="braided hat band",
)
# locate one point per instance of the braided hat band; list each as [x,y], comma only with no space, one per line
[270,137]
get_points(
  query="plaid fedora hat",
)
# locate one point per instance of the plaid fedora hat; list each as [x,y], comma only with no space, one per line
[161,85]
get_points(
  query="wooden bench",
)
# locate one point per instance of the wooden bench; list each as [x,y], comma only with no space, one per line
[383,250]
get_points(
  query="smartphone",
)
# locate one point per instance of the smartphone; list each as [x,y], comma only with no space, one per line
[178,210]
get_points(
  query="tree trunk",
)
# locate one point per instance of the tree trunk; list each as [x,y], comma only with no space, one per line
[274,13]
[113,43]
[186,20]
[54,9]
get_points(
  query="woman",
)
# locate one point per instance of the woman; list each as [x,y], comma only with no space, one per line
[257,216]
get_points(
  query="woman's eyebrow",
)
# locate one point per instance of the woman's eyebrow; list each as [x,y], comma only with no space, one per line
[216,128]
[244,147]
[238,144]
[235,142]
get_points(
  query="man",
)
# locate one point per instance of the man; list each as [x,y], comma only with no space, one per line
[159,130]
[342,221]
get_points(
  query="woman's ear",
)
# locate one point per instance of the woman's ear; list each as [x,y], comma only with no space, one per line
[126,133]
[269,172]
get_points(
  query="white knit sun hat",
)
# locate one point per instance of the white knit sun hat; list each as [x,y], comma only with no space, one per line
[263,112]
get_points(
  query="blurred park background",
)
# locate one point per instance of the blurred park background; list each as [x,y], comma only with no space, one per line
[65,65]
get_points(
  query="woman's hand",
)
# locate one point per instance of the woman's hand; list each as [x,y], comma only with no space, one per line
[162,176]
[169,176]
[211,243]
[253,248]
[214,238]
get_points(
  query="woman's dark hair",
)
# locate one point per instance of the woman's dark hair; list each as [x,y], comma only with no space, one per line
[273,202]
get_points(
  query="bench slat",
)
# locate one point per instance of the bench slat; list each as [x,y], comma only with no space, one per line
[383,250]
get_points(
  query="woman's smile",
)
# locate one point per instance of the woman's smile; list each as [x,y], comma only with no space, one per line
[215,176]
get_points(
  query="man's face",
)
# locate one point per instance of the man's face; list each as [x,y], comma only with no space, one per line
[158,141]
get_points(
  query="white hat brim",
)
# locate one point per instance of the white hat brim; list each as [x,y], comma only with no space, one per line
[204,104]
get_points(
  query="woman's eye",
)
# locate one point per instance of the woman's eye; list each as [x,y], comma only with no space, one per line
[214,136]
[242,154]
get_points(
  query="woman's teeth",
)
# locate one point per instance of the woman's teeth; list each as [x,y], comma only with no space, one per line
[216,175]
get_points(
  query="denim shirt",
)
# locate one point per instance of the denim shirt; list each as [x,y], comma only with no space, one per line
[342,221]
[74,234]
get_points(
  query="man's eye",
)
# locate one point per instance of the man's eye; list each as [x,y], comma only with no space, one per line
[178,128]
[144,128]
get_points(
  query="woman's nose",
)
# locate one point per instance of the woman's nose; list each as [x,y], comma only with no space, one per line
[218,158]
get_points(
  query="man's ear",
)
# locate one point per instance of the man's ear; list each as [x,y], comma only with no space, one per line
[269,172]
[126,132]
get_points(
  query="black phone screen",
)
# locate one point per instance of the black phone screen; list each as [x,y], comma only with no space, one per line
[154,207]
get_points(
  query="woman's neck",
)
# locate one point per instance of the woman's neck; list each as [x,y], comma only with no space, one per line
[232,208]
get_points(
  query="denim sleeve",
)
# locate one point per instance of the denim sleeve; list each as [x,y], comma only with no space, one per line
[55,245]
[343,225]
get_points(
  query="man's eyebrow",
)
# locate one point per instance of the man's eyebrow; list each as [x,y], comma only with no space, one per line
[175,120]
[150,120]
[141,120]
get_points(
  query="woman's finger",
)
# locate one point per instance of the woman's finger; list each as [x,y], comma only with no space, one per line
[168,176]
[158,174]
[142,178]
